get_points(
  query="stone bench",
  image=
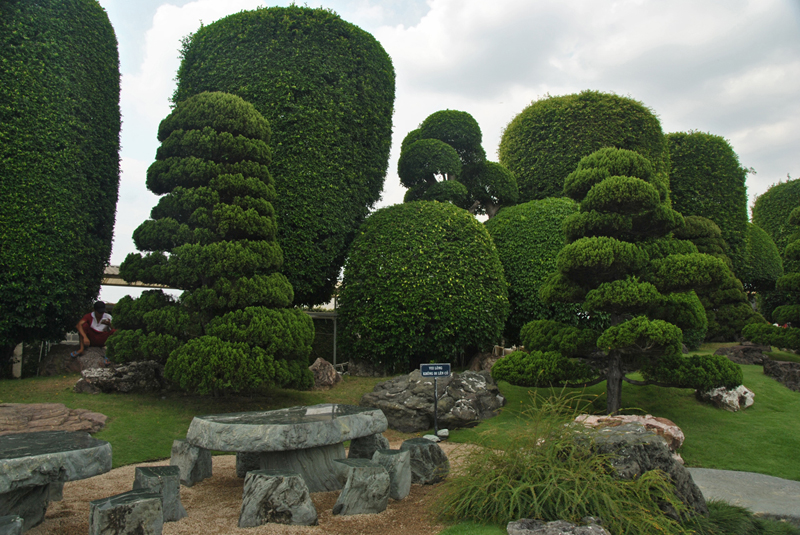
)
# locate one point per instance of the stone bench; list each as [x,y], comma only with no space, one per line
[365,447]
[276,496]
[398,465]
[194,463]
[165,481]
[366,487]
[10,525]
[429,464]
[136,512]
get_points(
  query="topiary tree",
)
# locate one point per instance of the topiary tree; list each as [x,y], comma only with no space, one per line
[443,160]
[212,234]
[59,164]
[620,259]
[772,208]
[327,89]
[544,143]
[727,307]
[763,264]
[706,179]
[422,282]
[528,238]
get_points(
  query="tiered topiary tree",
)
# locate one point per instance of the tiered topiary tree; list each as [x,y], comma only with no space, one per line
[544,143]
[528,238]
[212,234]
[727,307]
[59,163]
[443,160]
[422,282]
[706,179]
[621,259]
[327,89]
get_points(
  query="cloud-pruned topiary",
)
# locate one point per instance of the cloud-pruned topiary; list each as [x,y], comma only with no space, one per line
[59,163]
[422,282]
[621,259]
[443,160]
[327,89]
[772,208]
[212,234]
[706,179]
[544,143]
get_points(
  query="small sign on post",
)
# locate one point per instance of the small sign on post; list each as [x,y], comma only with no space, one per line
[435,371]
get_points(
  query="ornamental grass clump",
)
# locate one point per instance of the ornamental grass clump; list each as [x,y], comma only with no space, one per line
[551,474]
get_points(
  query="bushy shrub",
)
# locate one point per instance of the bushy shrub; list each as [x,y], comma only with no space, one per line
[327,89]
[544,143]
[772,208]
[422,282]
[541,369]
[59,163]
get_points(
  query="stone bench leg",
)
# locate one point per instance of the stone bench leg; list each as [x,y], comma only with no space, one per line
[277,496]
[11,525]
[429,464]
[365,447]
[247,461]
[398,465]
[30,503]
[136,512]
[366,487]
[193,462]
[165,481]
[315,465]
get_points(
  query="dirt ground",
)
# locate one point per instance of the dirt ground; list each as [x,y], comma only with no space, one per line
[214,504]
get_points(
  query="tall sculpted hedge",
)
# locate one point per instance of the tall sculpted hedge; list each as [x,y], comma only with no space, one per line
[620,259]
[327,89]
[706,179]
[212,234]
[422,282]
[763,264]
[772,208]
[59,163]
[544,143]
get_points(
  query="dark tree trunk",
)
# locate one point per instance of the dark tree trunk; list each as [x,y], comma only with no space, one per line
[614,383]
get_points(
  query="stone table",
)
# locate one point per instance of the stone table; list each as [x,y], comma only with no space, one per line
[31,462]
[304,439]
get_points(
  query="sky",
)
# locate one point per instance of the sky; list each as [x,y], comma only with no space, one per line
[726,67]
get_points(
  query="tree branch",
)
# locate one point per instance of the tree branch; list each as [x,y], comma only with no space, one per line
[585,385]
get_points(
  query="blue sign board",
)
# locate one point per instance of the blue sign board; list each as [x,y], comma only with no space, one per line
[435,370]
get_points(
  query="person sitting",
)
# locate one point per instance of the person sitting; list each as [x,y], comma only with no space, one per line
[94,328]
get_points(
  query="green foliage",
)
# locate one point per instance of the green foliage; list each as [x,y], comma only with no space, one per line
[763,264]
[772,209]
[459,130]
[230,330]
[764,333]
[545,142]
[421,161]
[539,368]
[422,281]
[550,335]
[726,519]
[327,89]
[706,179]
[701,372]
[528,238]
[59,163]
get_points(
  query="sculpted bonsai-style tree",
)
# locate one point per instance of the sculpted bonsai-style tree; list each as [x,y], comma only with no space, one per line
[443,160]
[212,234]
[621,259]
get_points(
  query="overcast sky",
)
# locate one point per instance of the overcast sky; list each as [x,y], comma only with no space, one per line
[727,67]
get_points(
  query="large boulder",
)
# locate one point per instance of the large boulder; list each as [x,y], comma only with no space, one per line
[747,353]
[464,400]
[29,417]
[787,373]
[59,360]
[142,376]
[325,375]
[666,429]
[531,526]
[732,399]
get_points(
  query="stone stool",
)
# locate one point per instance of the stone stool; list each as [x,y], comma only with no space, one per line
[278,496]
[247,461]
[398,465]
[11,525]
[429,464]
[366,487]
[194,462]
[365,447]
[136,512]
[166,481]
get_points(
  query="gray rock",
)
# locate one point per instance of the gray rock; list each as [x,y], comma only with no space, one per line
[429,464]
[432,438]
[325,375]
[10,525]
[247,461]
[165,481]
[398,465]
[142,376]
[366,487]
[443,433]
[732,399]
[315,465]
[30,503]
[276,496]
[786,373]
[136,512]
[194,463]
[56,491]
[638,450]
[365,447]
[464,400]
[747,353]
[529,526]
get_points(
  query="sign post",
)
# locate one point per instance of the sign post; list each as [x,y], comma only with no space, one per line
[435,371]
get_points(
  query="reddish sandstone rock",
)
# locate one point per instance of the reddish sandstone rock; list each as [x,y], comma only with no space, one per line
[31,417]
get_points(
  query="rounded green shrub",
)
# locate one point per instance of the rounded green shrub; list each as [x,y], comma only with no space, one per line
[772,209]
[423,281]
[327,89]
[540,369]
[763,264]
[546,141]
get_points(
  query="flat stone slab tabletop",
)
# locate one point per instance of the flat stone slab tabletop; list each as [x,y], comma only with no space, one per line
[289,429]
[35,459]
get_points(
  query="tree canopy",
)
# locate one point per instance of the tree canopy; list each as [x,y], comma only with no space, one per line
[327,89]
[772,208]
[212,234]
[59,163]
